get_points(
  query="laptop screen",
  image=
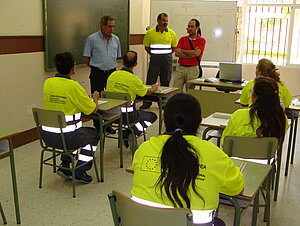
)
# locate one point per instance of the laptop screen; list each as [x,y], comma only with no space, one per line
[230,72]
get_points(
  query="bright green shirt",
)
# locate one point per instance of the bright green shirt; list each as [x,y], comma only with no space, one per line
[123,81]
[153,36]
[60,93]
[217,173]
[239,125]
[284,94]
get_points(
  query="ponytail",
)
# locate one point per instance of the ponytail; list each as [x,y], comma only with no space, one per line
[179,159]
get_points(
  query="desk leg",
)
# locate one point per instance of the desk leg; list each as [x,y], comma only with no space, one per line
[279,156]
[294,140]
[160,115]
[255,209]
[289,146]
[14,182]
[121,141]
[101,144]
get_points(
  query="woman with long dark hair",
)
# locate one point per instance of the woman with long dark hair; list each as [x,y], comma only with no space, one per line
[264,118]
[266,68]
[178,169]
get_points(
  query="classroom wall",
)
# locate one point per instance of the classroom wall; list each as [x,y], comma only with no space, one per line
[22,75]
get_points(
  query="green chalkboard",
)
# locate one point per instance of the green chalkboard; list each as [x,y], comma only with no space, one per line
[67,23]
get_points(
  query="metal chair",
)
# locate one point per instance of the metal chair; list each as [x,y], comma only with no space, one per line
[254,148]
[127,212]
[56,119]
[125,120]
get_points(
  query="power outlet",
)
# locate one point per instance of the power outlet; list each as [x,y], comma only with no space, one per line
[29,108]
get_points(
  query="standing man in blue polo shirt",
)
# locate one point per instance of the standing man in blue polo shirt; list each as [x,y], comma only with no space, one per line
[100,53]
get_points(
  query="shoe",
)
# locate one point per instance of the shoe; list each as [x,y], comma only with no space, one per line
[83,177]
[146,105]
[126,133]
[110,130]
[66,174]
[132,143]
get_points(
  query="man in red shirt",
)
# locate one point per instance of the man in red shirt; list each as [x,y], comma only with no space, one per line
[190,49]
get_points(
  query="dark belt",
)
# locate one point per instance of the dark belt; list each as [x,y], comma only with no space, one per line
[187,65]
[105,71]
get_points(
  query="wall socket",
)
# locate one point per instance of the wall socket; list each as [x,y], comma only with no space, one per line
[29,108]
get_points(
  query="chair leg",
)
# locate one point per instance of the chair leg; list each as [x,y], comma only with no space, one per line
[95,165]
[41,169]
[120,143]
[102,140]
[73,175]
[289,146]
[279,155]
[54,161]
[255,209]
[2,214]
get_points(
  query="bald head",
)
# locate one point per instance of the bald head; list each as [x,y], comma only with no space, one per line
[130,59]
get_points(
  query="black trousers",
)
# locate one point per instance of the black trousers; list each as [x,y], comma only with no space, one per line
[74,140]
[160,64]
[98,78]
[139,116]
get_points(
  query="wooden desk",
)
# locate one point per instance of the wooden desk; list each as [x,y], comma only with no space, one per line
[160,96]
[106,117]
[255,175]
[6,150]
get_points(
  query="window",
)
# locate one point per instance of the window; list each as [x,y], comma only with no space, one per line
[272,30]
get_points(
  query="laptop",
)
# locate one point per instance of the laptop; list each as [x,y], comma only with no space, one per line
[230,72]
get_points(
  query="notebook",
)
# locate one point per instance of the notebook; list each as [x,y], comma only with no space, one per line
[230,72]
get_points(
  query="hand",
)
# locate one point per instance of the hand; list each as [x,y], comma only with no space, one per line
[96,96]
[154,87]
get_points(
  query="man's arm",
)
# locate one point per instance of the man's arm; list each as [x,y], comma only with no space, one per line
[86,60]
[96,97]
[182,53]
[147,49]
[154,87]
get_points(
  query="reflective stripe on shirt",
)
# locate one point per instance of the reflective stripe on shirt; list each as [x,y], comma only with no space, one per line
[160,49]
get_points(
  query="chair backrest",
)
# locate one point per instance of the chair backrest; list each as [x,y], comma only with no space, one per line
[250,147]
[118,96]
[44,117]
[127,212]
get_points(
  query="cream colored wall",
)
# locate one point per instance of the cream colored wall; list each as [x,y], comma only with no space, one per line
[22,75]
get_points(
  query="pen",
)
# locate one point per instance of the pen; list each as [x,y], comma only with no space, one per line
[242,166]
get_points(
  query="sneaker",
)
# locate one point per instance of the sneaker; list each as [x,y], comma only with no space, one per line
[66,174]
[132,143]
[146,105]
[83,177]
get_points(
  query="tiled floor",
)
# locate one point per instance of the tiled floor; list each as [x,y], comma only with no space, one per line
[54,205]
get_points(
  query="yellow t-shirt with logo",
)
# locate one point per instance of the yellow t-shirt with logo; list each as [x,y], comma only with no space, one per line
[66,95]
[284,94]
[217,173]
[125,82]
[156,37]
[239,125]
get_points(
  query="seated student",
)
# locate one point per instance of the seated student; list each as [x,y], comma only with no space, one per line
[266,68]
[124,81]
[178,169]
[61,93]
[264,118]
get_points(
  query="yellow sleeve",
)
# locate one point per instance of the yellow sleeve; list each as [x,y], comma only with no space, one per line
[233,180]
[83,101]
[140,88]
[245,98]
[286,97]
[146,40]
[174,40]
[229,129]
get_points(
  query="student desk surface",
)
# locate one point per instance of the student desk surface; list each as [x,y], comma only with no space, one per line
[200,82]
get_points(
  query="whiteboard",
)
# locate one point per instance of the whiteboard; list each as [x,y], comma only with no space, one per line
[217,19]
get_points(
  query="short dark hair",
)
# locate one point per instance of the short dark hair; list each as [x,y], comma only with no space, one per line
[161,14]
[104,20]
[64,62]
[130,58]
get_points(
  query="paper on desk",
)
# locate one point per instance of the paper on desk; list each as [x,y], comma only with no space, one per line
[102,102]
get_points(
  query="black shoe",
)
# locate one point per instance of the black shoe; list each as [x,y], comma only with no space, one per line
[83,177]
[110,130]
[146,105]
[66,174]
